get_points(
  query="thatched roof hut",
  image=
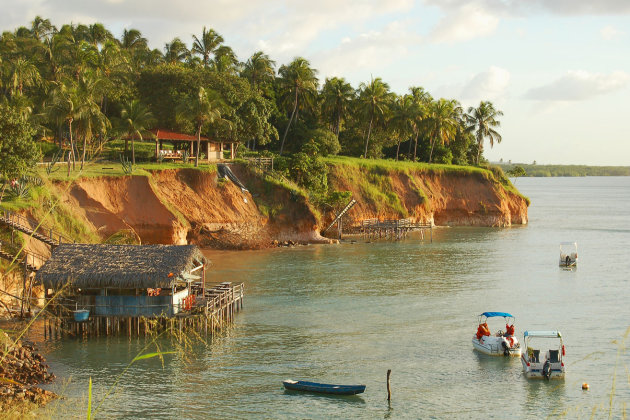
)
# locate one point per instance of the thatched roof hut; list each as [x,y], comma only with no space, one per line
[101,266]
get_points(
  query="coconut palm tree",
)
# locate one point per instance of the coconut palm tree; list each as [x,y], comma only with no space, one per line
[132,39]
[403,121]
[225,60]
[42,29]
[175,51]
[442,122]
[62,105]
[207,44]
[136,119]
[89,118]
[421,99]
[259,69]
[22,73]
[336,95]
[373,98]
[481,121]
[298,88]
[204,108]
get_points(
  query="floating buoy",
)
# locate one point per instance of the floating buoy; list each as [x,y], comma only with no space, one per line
[584,386]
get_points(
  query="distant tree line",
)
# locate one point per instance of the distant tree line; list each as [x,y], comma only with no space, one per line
[80,86]
[532,170]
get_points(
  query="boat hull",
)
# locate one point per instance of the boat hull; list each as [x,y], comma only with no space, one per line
[323,388]
[491,346]
[535,370]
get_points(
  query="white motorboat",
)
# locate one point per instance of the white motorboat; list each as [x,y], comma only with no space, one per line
[548,365]
[568,254]
[503,343]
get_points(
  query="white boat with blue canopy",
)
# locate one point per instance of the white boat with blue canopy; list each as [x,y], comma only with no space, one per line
[503,342]
[550,364]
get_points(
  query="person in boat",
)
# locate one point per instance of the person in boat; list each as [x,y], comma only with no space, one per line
[482,330]
[509,330]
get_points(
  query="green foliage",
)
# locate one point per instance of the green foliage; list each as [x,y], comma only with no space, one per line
[18,151]
[517,171]
[126,164]
[50,167]
[326,141]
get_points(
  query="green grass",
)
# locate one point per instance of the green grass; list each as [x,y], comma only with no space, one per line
[388,164]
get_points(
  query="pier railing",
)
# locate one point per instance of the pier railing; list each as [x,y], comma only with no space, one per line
[40,232]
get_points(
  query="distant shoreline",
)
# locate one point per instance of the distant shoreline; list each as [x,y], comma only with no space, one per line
[532,170]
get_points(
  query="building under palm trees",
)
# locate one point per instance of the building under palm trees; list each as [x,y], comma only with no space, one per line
[181,142]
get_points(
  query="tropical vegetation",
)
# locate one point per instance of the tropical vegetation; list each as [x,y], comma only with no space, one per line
[78,89]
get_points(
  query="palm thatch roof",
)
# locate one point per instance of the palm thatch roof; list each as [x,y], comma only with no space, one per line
[101,266]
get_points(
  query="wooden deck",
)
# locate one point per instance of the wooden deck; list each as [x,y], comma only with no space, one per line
[208,312]
[392,228]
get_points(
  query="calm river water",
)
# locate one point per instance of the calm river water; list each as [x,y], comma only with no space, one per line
[348,313]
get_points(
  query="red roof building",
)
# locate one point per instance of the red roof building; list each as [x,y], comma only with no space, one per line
[212,149]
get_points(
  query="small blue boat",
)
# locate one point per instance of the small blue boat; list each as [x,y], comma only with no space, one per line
[323,388]
[81,315]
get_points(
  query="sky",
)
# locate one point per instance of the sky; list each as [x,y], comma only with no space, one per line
[558,69]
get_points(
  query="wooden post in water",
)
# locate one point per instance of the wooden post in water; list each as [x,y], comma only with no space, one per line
[389,393]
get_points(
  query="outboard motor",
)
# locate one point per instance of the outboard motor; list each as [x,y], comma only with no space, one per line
[506,347]
[546,371]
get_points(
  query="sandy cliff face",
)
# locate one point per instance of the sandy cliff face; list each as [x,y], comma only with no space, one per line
[442,198]
[192,206]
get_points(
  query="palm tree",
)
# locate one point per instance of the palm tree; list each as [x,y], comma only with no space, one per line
[63,105]
[258,69]
[404,110]
[337,95]
[22,73]
[373,97]
[442,122]
[208,43]
[481,120]
[204,108]
[42,29]
[421,99]
[132,39]
[98,35]
[175,51]
[298,86]
[136,119]
[89,118]
[225,60]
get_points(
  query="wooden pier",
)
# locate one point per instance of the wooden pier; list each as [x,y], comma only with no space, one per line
[393,228]
[24,225]
[209,311]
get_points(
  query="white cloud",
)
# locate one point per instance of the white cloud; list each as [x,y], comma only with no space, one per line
[488,85]
[373,50]
[610,32]
[579,85]
[286,27]
[465,22]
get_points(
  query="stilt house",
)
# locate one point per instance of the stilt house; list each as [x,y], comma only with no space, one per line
[125,280]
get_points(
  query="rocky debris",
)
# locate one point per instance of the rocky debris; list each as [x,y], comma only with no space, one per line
[21,368]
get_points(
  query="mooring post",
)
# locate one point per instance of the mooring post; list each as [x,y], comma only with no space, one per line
[389,393]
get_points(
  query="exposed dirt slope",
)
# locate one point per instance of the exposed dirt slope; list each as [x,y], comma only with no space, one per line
[193,206]
[442,198]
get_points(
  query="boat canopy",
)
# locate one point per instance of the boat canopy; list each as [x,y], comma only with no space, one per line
[493,314]
[543,334]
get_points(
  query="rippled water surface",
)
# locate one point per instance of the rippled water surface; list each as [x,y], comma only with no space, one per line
[348,313]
